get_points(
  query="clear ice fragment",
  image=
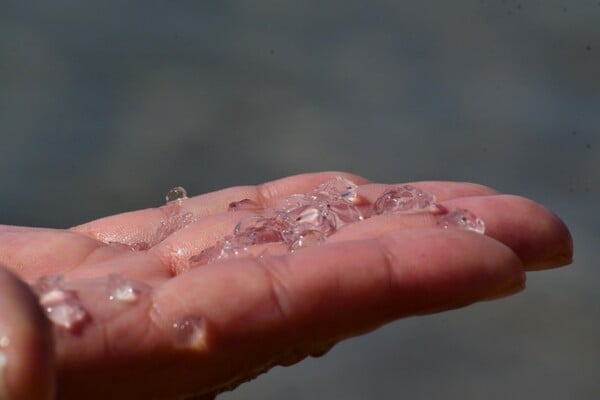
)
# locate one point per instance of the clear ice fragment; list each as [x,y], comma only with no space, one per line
[188,331]
[176,193]
[344,212]
[245,204]
[47,283]
[337,188]
[122,289]
[224,249]
[307,238]
[462,219]
[258,230]
[404,198]
[311,217]
[62,306]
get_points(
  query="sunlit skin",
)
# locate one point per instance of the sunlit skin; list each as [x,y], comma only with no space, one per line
[257,311]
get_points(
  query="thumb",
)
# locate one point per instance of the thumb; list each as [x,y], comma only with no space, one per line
[26,343]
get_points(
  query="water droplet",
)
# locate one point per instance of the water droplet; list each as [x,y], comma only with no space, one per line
[122,289]
[188,331]
[462,219]
[4,341]
[176,193]
[244,205]
[404,198]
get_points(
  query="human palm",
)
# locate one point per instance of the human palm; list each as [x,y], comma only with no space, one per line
[245,315]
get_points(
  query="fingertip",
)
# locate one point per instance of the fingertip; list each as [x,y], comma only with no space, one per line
[26,343]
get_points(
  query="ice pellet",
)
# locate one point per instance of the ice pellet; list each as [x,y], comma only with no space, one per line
[228,247]
[462,219]
[62,306]
[122,289]
[307,238]
[404,199]
[337,188]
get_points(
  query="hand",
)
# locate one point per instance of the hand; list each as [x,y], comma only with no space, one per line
[256,312]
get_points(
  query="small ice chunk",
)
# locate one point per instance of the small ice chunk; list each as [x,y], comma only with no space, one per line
[122,289]
[312,217]
[176,193]
[62,306]
[307,238]
[223,249]
[404,199]
[344,212]
[258,230]
[337,188]
[463,219]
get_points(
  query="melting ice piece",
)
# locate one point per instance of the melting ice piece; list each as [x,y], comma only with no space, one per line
[311,217]
[62,306]
[307,238]
[188,331]
[176,193]
[463,219]
[257,229]
[245,204]
[337,188]
[344,212]
[226,248]
[404,198]
[122,289]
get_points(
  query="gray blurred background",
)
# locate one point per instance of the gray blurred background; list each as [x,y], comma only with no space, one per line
[105,105]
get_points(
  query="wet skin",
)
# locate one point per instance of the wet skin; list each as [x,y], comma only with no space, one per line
[256,312]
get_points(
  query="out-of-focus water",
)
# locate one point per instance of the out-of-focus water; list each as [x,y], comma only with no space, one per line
[105,105]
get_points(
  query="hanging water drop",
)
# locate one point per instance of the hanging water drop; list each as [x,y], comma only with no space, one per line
[176,193]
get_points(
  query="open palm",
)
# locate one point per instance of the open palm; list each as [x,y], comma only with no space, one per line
[245,315]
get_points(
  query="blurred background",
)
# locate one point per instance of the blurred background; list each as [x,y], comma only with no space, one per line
[105,105]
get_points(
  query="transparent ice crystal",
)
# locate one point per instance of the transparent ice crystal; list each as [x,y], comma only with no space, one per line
[462,219]
[62,306]
[404,199]
[122,289]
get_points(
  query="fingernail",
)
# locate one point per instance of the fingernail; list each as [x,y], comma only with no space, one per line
[514,288]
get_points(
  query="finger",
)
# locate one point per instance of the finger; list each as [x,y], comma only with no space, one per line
[256,310]
[534,233]
[176,250]
[33,253]
[140,226]
[26,343]
[151,226]
[537,235]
